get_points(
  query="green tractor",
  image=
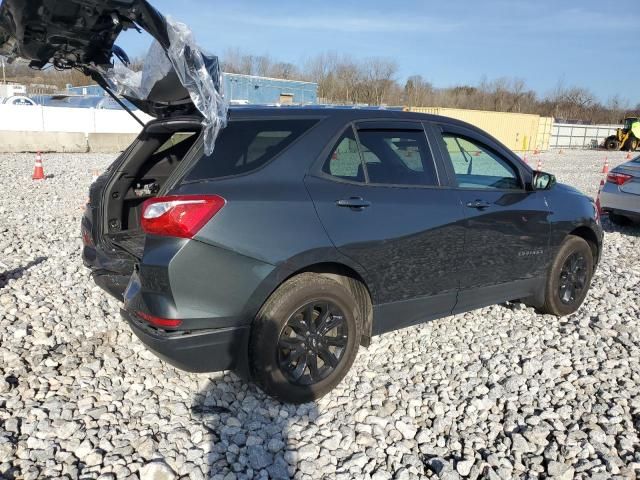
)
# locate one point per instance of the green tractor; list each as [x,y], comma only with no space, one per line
[627,138]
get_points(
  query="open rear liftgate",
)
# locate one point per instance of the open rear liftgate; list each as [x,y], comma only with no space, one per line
[177,79]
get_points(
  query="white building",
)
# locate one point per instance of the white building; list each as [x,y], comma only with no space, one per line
[12,90]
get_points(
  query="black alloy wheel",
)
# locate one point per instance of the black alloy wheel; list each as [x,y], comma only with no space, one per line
[569,277]
[306,336]
[573,278]
[312,343]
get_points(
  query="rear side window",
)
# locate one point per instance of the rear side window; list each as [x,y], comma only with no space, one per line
[244,146]
[383,157]
[344,161]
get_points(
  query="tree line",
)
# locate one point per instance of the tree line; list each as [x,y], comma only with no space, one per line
[374,81]
[346,80]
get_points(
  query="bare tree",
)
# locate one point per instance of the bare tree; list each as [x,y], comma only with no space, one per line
[572,103]
[378,76]
[418,92]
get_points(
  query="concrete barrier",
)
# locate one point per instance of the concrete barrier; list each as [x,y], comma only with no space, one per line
[110,142]
[59,129]
[64,142]
[61,119]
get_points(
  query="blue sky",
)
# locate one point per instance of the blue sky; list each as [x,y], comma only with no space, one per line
[454,42]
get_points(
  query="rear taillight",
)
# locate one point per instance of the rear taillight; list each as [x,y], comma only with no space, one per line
[618,178]
[159,322]
[180,215]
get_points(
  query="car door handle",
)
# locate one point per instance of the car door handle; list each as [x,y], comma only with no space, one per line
[479,204]
[356,203]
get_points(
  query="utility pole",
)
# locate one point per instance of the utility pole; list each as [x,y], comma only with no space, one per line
[4,77]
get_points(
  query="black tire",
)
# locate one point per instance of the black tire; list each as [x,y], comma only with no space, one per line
[272,325]
[559,301]
[612,143]
[620,220]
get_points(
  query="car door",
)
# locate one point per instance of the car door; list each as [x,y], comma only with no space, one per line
[507,231]
[377,192]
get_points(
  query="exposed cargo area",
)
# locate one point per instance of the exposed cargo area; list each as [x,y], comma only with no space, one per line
[142,172]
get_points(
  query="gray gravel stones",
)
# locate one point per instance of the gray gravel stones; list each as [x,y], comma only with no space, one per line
[560,470]
[407,430]
[496,393]
[157,471]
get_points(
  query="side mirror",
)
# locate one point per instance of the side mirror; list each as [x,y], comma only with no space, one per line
[543,181]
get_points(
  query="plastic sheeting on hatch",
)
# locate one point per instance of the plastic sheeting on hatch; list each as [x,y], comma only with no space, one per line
[198,73]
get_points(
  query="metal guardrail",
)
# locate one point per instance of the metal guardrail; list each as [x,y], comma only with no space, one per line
[567,135]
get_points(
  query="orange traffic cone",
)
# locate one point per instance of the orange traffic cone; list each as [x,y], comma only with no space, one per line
[525,159]
[539,166]
[629,156]
[605,168]
[38,170]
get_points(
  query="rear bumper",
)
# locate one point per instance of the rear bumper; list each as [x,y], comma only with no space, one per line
[113,284]
[197,351]
[213,291]
[613,200]
[633,216]
[110,272]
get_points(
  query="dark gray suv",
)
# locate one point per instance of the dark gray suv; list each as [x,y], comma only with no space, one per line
[308,231]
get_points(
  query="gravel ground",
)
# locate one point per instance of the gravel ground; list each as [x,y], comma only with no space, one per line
[496,393]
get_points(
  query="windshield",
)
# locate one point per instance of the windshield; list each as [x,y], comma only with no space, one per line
[628,122]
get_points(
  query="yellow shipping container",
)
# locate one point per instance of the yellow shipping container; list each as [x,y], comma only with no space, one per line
[519,131]
[545,127]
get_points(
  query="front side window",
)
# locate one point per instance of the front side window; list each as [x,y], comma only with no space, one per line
[244,146]
[477,167]
[397,157]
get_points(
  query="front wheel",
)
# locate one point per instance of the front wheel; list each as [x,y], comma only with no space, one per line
[612,143]
[569,278]
[305,338]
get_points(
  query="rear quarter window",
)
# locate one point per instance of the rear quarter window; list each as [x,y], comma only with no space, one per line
[244,146]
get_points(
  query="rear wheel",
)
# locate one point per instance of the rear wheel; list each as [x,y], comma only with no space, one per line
[632,144]
[569,279]
[305,338]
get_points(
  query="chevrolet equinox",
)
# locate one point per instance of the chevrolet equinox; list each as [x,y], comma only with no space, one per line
[307,231]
